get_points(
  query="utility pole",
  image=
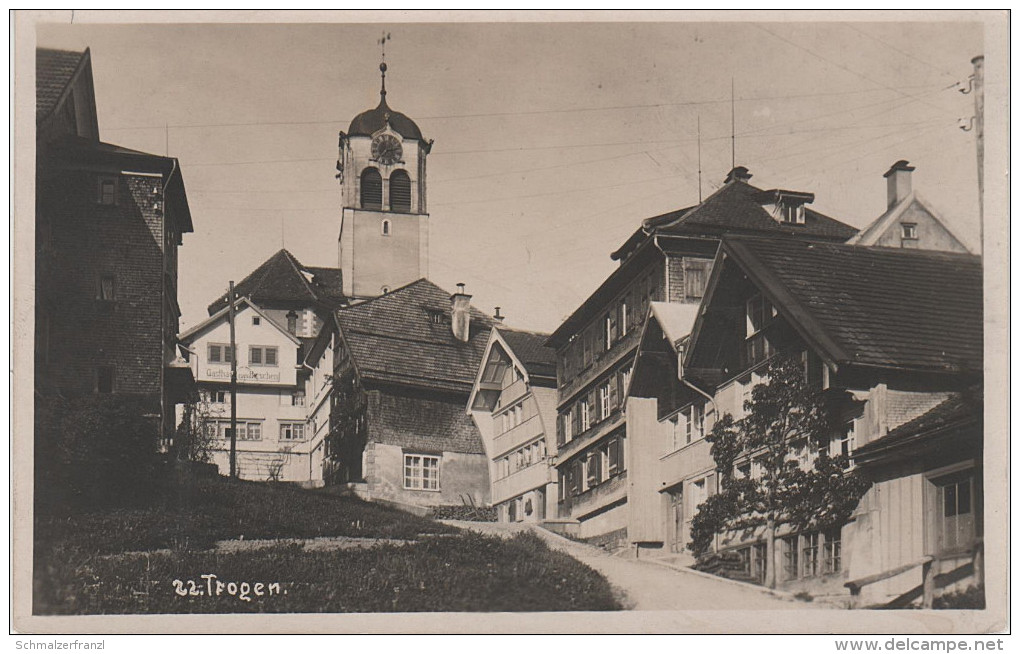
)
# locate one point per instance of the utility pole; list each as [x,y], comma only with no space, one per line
[699,158]
[733,127]
[979,136]
[233,387]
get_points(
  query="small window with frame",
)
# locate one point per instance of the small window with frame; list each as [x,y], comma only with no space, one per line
[386,228]
[107,288]
[908,231]
[106,190]
[105,379]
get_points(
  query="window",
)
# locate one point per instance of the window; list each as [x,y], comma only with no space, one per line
[292,431]
[421,472]
[256,320]
[908,231]
[833,554]
[615,457]
[698,494]
[106,191]
[385,227]
[218,397]
[847,439]
[371,189]
[679,435]
[809,554]
[262,355]
[759,312]
[790,568]
[292,322]
[585,415]
[219,353]
[568,426]
[107,291]
[623,318]
[297,398]
[693,420]
[696,277]
[604,405]
[400,191]
[746,386]
[955,512]
[247,430]
[793,213]
[104,379]
[594,469]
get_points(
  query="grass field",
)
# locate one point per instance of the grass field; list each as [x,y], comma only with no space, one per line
[105,562]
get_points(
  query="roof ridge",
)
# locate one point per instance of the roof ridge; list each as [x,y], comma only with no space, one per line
[299,269]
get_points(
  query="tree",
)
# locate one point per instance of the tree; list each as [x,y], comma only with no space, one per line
[785,414]
[194,435]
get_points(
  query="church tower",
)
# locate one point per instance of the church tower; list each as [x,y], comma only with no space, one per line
[384,235]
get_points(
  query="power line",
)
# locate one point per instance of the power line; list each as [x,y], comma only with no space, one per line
[497,114]
[902,52]
[841,66]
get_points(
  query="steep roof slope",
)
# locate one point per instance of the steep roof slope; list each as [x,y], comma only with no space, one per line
[404,338]
[282,278]
[888,307]
[531,351]
[54,70]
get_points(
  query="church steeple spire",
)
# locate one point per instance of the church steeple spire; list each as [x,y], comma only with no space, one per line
[382,67]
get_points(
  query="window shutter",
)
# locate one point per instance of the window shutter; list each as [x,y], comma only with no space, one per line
[575,419]
[614,325]
[593,405]
[614,392]
[560,431]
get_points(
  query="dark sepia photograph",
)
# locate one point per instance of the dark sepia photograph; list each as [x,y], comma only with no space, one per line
[409,318]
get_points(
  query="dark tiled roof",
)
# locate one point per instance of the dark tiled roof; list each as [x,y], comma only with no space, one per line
[735,208]
[958,408]
[424,425]
[394,339]
[282,278]
[910,309]
[369,122]
[530,350]
[53,72]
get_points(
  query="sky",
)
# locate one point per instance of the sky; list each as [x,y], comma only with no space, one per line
[553,141]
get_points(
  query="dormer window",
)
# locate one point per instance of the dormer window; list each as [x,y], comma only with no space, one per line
[436,316]
[792,214]
[106,190]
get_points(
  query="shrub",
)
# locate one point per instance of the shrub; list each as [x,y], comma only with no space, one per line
[971,598]
[95,450]
[464,512]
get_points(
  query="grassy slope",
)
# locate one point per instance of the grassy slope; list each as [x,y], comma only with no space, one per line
[81,569]
[220,509]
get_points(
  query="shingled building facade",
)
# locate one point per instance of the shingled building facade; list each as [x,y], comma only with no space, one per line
[109,221]
[404,365]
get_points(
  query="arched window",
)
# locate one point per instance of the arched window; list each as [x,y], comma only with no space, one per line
[385,227]
[400,191]
[371,189]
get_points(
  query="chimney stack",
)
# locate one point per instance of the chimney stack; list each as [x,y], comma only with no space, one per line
[898,182]
[460,314]
[498,318]
[740,173]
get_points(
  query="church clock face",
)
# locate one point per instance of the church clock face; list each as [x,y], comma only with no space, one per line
[386,149]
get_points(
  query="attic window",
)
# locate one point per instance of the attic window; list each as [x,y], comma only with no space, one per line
[436,316]
[106,190]
[909,230]
[793,214]
[256,320]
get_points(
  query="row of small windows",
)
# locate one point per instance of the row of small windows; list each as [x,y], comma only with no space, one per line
[372,190]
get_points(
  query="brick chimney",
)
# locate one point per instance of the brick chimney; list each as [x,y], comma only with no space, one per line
[498,318]
[460,314]
[898,182]
[739,173]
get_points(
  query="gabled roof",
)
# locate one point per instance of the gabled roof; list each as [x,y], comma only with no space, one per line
[404,338]
[675,318]
[737,207]
[888,220]
[530,350]
[72,152]
[282,278]
[867,306]
[959,409]
[221,315]
[54,70]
